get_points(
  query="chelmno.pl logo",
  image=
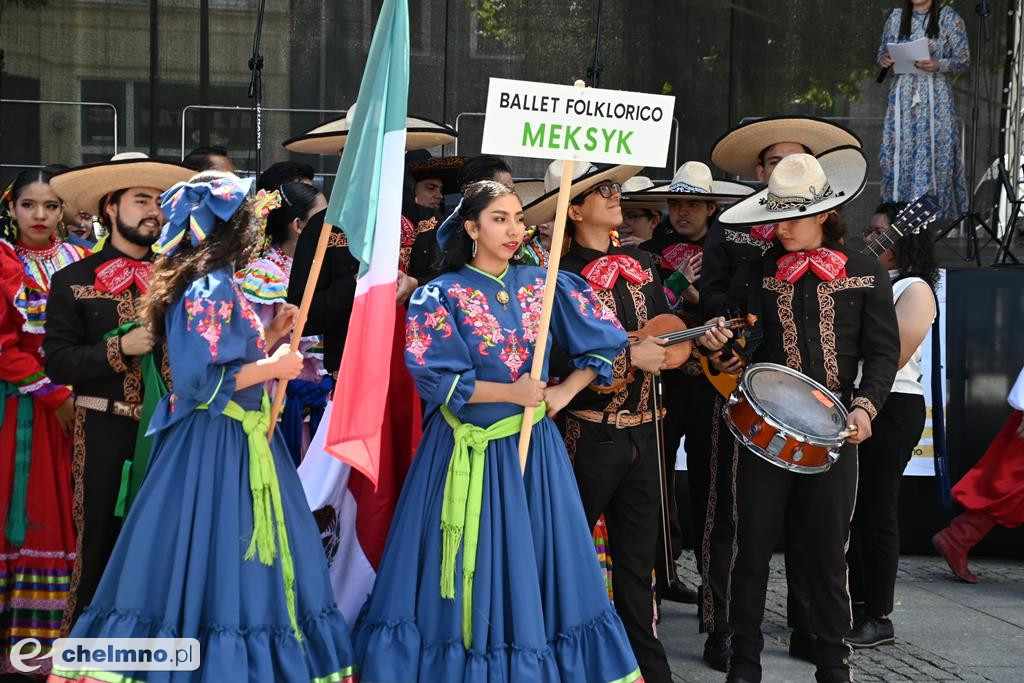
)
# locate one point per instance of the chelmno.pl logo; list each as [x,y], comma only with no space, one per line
[108,654]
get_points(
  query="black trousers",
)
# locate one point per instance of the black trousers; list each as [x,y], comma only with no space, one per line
[689,404]
[617,474]
[874,553]
[101,444]
[718,536]
[824,503]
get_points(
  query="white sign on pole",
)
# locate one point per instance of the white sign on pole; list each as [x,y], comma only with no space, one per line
[548,121]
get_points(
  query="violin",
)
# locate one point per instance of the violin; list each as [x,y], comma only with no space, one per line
[678,342]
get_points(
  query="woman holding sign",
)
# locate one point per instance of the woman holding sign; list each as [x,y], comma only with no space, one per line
[920,140]
[489,573]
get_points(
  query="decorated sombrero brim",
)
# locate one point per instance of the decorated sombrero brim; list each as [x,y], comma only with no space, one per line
[542,209]
[737,150]
[658,196]
[802,186]
[445,169]
[83,187]
[329,138]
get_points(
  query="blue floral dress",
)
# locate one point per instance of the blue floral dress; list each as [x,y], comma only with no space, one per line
[537,608]
[921,139]
[178,569]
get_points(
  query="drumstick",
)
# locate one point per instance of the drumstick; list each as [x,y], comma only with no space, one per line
[851,430]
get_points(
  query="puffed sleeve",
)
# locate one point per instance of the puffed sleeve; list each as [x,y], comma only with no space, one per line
[582,326]
[207,337]
[437,356]
[956,48]
[879,346]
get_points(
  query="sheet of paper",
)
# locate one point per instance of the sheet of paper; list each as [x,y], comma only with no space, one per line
[904,55]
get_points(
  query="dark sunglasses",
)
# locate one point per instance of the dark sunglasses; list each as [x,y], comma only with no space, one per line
[606,190]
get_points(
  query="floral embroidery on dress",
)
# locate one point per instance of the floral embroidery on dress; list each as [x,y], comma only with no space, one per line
[438,321]
[531,300]
[417,341]
[251,317]
[602,312]
[581,301]
[514,355]
[473,304]
[209,315]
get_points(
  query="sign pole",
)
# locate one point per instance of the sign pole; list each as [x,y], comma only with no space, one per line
[300,320]
[550,283]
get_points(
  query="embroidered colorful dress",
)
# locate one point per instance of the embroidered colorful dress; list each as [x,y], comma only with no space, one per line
[180,566]
[37,548]
[920,150]
[526,596]
[264,282]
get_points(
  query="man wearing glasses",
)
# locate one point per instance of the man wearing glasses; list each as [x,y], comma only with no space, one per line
[611,435]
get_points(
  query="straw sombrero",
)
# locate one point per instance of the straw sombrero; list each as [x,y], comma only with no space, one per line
[736,151]
[802,186]
[529,189]
[85,186]
[329,138]
[585,176]
[692,181]
[632,195]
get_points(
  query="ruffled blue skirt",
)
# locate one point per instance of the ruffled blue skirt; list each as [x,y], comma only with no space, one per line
[540,609]
[178,571]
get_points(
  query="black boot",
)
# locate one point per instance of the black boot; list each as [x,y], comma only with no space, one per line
[803,644]
[871,632]
[839,673]
[680,592]
[717,651]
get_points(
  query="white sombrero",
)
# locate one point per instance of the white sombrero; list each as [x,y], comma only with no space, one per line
[632,194]
[85,186]
[585,176]
[802,186]
[529,190]
[737,150]
[329,138]
[693,180]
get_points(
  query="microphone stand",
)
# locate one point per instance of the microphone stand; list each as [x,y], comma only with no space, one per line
[256,86]
[595,68]
[971,218]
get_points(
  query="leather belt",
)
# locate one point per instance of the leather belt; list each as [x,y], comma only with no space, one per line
[620,420]
[105,405]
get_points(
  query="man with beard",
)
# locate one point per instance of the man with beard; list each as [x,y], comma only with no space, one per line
[91,343]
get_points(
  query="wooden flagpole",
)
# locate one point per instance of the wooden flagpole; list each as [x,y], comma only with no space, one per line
[300,320]
[550,283]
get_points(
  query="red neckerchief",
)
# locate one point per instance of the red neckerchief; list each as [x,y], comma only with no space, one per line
[763,232]
[603,272]
[826,263]
[676,255]
[121,273]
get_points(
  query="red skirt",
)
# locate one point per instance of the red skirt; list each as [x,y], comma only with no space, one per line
[995,485]
[34,578]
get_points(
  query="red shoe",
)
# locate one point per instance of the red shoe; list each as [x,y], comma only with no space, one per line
[956,540]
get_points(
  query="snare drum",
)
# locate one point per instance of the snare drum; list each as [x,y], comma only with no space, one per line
[787,418]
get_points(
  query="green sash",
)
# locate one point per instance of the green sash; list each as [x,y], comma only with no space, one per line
[267,509]
[16,522]
[134,470]
[463,497]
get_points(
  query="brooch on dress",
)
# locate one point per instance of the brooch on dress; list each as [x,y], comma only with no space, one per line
[502,297]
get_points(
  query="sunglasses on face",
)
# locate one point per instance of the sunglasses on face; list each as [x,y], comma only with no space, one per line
[606,190]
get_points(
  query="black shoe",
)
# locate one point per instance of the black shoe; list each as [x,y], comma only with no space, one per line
[803,644]
[871,632]
[737,679]
[717,651]
[834,674]
[680,592]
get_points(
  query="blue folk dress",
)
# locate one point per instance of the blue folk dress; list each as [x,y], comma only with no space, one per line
[920,150]
[538,611]
[178,569]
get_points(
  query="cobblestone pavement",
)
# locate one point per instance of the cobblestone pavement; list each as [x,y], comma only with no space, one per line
[945,630]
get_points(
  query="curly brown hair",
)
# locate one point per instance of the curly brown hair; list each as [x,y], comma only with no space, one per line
[234,242]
